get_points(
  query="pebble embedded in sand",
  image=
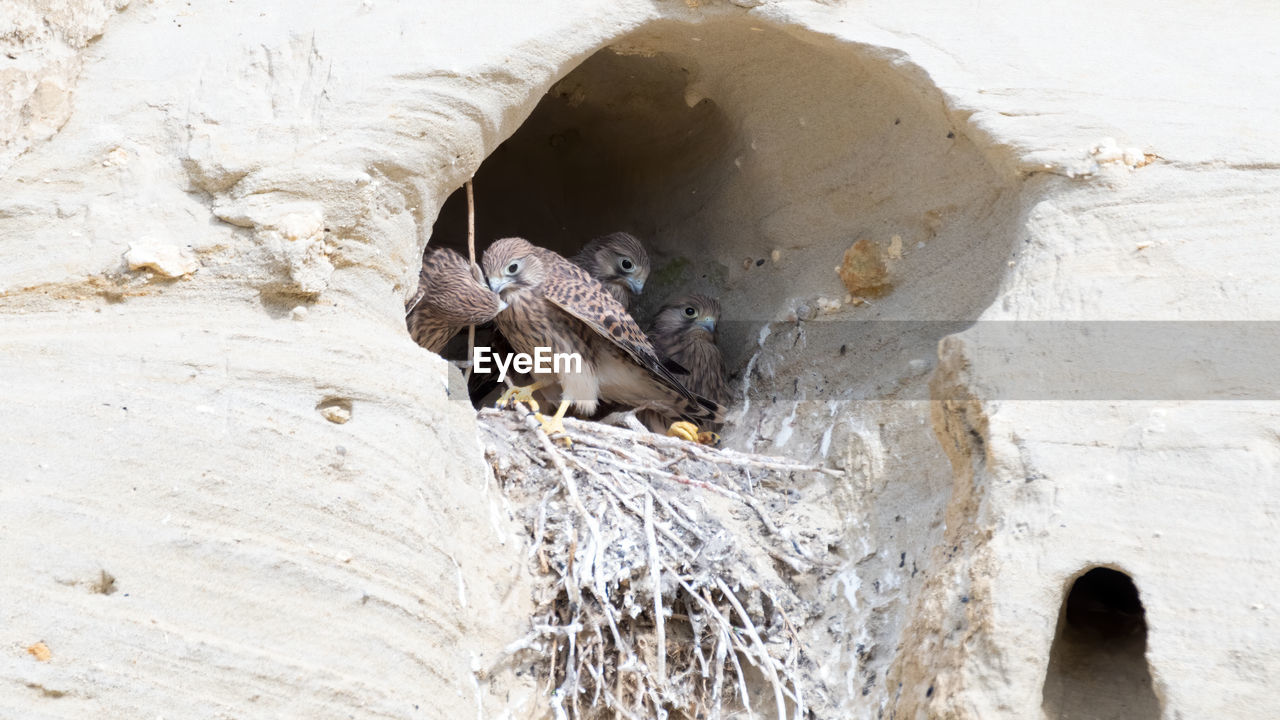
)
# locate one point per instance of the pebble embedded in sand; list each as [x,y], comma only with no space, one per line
[335,414]
[166,260]
[863,270]
[40,652]
[827,305]
[335,410]
[116,158]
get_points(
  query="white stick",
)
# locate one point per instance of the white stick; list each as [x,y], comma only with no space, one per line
[766,661]
[471,253]
[655,575]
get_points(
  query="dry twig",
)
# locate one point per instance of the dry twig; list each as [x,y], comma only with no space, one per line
[471,254]
[620,513]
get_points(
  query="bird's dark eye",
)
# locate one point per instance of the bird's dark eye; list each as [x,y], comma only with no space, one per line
[690,312]
[626,264]
[513,268]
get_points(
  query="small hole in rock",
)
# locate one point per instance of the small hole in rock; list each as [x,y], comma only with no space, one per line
[1097,665]
[335,409]
[105,584]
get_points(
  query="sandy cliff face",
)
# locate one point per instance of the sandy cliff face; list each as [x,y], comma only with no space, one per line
[236,488]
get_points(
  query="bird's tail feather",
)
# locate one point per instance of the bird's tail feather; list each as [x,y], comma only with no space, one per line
[703,412]
[700,411]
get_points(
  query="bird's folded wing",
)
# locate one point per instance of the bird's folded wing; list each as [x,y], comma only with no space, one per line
[571,289]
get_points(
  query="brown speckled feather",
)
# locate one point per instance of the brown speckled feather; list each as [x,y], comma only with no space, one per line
[553,303]
[678,335]
[575,292]
[451,296]
[685,331]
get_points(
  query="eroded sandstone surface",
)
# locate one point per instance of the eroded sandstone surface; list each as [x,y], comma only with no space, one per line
[236,488]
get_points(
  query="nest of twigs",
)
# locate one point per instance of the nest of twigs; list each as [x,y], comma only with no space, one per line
[666,569]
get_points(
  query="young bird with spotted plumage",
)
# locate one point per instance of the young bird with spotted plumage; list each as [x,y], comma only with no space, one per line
[451,295]
[555,304]
[617,261]
[685,331]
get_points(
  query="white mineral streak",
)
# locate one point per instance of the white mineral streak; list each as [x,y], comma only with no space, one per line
[1087,161]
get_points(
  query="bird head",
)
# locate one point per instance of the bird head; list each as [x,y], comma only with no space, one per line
[455,289]
[690,314]
[618,259]
[512,267]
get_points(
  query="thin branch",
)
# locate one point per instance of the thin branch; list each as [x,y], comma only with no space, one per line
[417,298]
[766,661]
[655,574]
[471,253]
[612,636]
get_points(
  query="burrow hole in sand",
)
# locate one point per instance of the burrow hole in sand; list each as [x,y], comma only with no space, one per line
[749,159]
[1097,666]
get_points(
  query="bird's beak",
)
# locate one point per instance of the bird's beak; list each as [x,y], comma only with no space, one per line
[707,322]
[502,304]
[636,285]
[497,284]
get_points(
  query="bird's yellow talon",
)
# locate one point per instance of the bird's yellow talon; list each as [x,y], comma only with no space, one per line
[516,393]
[555,423]
[706,437]
[550,425]
[683,430]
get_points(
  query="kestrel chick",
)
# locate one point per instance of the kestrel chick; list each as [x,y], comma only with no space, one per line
[554,304]
[619,262]
[685,331]
[451,295]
